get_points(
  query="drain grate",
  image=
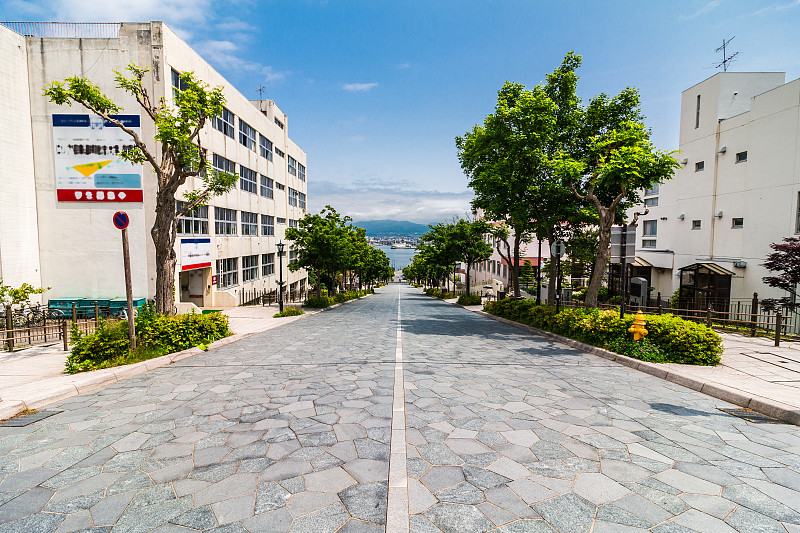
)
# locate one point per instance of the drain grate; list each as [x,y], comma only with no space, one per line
[750,415]
[24,420]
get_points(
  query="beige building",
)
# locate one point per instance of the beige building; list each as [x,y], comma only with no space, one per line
[60,182]
[738,190]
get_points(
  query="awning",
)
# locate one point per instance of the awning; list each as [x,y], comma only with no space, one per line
[639,262]
[712,267]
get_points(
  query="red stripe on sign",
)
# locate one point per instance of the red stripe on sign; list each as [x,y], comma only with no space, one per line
[99,195]
[196,265]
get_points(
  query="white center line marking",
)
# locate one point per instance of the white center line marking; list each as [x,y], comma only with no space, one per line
[397,519]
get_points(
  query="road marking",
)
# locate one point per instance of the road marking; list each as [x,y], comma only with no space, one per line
[397,519]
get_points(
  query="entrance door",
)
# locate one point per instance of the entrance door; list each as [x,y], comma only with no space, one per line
[192,286]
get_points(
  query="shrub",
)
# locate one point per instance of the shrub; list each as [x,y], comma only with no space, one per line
[446,295]
[155,335]
[433,291]
[469,299]
[679,340]
[289,311]
[317,302]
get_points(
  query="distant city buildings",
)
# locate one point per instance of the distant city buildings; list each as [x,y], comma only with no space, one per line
[61,180]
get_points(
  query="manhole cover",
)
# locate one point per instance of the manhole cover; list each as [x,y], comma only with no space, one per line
[24,420]
[750,416]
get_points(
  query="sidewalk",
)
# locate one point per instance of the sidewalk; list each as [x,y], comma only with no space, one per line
[34,377]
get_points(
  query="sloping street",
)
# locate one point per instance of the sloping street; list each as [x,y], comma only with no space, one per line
[397,411]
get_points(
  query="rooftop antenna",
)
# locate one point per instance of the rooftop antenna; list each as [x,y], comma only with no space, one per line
[261,90]
[726,60]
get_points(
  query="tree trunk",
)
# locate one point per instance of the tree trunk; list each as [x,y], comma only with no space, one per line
[515,265]
[163,233]
[553,270]
[466,276]
[606,220]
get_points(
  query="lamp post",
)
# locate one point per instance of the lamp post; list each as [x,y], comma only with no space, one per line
[280,276]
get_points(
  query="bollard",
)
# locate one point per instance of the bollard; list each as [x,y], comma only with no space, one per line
[753,313]
[74,313]
[708,316]
[96,315]
[778,327]
[65,334]
[9,329]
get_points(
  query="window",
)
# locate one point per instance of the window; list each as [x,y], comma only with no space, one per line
[266,147]
[247,135]
[301,172]
[267,265]
[195,222]
[650,228]
[292,197]
[696,224]
[177,84]
[652,191]
[699,166]
[651,202]
[224,221]
[279,123]
[227,272]
[249,224]
[266,186]
[648,243]
[292,256]
[292,165]
[292,223]
[267,225]
[280,220]
[279,152]
[224,123]
[248,179]
[301,201]
[249,268]
[741,157]
[280,186]
[697,114]
[737,223]
[223,165]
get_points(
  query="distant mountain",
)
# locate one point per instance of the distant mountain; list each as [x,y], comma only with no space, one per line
[391,227]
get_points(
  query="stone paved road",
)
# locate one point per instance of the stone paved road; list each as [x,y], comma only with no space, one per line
[290,430]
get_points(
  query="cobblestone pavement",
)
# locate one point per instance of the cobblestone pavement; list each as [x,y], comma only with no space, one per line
[292,430]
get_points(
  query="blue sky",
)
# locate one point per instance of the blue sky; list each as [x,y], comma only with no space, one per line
[376,91]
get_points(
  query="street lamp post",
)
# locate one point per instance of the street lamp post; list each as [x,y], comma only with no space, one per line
[280,276]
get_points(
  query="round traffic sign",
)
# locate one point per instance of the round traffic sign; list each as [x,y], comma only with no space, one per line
[121,219]
[557,249]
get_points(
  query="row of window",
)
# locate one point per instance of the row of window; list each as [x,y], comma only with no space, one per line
[650,230]
[248,136]
[228,269]
[225,222]
[249,181]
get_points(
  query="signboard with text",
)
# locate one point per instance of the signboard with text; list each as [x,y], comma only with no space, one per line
[88,166]
[195,253]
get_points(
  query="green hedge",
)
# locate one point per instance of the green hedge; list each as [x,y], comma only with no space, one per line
[675,340]
[469,299]
[289,311]
[155,335]
[319,302]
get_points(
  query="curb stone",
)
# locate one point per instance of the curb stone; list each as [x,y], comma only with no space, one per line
[88,381]
[771,408]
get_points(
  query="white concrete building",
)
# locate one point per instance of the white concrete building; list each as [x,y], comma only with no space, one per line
[56,227]
[737,191]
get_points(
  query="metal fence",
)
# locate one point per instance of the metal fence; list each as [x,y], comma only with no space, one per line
[265,297]
[84,30]
[52,330]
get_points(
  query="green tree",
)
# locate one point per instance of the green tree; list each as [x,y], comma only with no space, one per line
[439,250]
[178,154]
[509,162]
[323,244]
[468,242]
[609,171]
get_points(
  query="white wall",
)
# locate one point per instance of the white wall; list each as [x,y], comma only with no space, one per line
[19,240]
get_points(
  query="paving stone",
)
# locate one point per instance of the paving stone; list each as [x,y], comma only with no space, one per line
[598,488]
[270,496]
[199,518]
[40,523]
[234,509]
[612,513]
[108,510]
[747,521]
[529,491]
[567,513]
[440,477]
[455,518]
[333,480]
[696,520]
[26,503]
[761,503]
[465,493]
[147,518]
[307,502]
[293,484]
[325,520]
[367,501]
[526,526]
[73,505]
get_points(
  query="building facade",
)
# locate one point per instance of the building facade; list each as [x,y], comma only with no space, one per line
[708,230]
[57,202]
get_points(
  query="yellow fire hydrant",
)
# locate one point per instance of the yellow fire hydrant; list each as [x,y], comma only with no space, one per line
[638,327]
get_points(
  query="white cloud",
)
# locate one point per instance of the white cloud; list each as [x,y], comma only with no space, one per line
[181,13]
[273,75]
[223,55]
[371,200]
[359,87]
[403,66]
[775,8]
[713,4]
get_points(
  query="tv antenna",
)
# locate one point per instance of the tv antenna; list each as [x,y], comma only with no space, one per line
[726,59]
[260,92]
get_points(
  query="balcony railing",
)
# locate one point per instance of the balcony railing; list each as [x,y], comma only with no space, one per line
[84,30]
